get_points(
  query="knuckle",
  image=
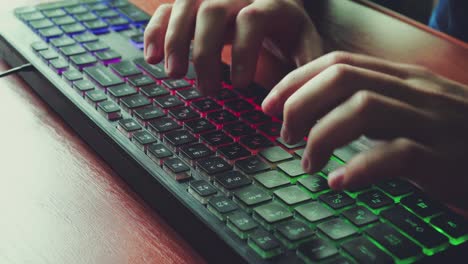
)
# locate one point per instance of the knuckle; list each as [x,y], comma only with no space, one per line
[340,57]
[249,14]
[340,72]
[363,102]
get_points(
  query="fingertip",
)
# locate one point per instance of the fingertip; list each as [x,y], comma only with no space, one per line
[336,178]
[269,104]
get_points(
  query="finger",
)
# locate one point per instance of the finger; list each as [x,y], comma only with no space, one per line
[368,114]
[212,22]
[155,33]
[178,37]
[274,102]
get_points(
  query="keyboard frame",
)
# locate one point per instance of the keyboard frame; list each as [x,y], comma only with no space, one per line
[165,195]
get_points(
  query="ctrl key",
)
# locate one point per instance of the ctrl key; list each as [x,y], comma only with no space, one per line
[264,243]
[177,169]
[110,110]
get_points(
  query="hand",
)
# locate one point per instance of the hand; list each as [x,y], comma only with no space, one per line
[421,118]
[212,23]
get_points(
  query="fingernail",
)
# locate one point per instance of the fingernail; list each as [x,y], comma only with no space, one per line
[335,178]
[169,63]
[269,103]
[149,51]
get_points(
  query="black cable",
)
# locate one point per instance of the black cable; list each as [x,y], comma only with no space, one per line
[24,67]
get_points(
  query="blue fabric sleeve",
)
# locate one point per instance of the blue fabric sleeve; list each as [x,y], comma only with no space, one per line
[451,17]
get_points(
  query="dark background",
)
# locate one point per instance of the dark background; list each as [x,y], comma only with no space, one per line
[419,10]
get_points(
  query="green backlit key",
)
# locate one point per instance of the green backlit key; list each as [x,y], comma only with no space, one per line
[360,216]
[314,183]
[241,224]
[364,252]
[264,243]
[317,249]
[396,187]
[252,165]
[421,205]
[375,199]
[336,200]
[275,154]
[292,195]
[251,196]
[292,168]
[313,211]
[231,180]
[331,166]
[454,225]
[272,179]
[221,206]
[294,232]
[272,213]
[337,228]
[201,190]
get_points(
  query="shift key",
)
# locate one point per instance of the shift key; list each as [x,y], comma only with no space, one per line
[103,76]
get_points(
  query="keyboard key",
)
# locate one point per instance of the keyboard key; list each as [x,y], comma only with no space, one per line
[231,180]
[314,183]
[54,13]
[134,101]
[414,227]
[363,251]
[199,125]
[162,125]
[238,129]
[62,41]
[396,187]
[78,9]
[85,37]
[293,232]
[83,60]
[86,17]
[225,94]
[176,84]
[221,117]
[251,195]
[239,106]
[95,96]
[216,138]
[95,46]
[345,153]
[375,199]
[317,249]
[183,113]
[31,16]
[241,224]
[103,76]
[393,241]
[252,165]
[233,151]
[360,216]
[255,142]
[72,75]
[120,91]
[158,152]
[64,20]
[118,23]
[48,54]
[41,23]
[205,105]
[177,169]
[128,126]
[98,7]
[272,179]
[72,50]
[107,13]
[336,200]
[292,195]
[272,129]
[140,80]
[124,68]
[221,206]
[108,55]
[83,86]
[255,117]
[134,14]
[213,165]
[265,244]
[272,213]
[39,46]
[422,206]
[110,110]
[143,139]
[454,225]
[313,211]
[74,28]
[157,71]
[292,168]
[195,152]
[331,166]
[168,101]
[337,228]
[59,65]
[189,94]
[148,113]
[155,90]
[275,154]
[178,138]
[201,190]
[299,152]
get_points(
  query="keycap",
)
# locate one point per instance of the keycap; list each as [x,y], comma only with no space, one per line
[241,223]
[103,76]
[41,23]
[72,50]
[299,152]
[157,70]
[275,154]
[360,216]
[120,91]
[189,94]
[96,46]
[225,94]
[134,101]
[393,241]
[233,151]
[168,101]
[199,125]
[39,45]
[110,110]
[221,206]
[195,151]
[83,86]
[375,199]
[251,196]
[252,165]
[54,13]
[205,105]
[231,180]
[62,41]
[98,7]
[31,16]
[337,228]
[272,129]
[272,212]
[48,54]
[72,75]
[85,37]
[396,187]
[238,105]
[238,129]
[124,68]
[183,113]
[143,139]
[414,227]
[201,190]
[272,179]
[331,166]
[74,28]
[83,60]
[158,152]
[128,126]
[255,142]
[317,249]
[64,20]
[345,153]
[454,225]
[148,113]
[337,200]
[266,244]
[179,138]
[107,55]
[292,168]
[294,231]
[176,84]
[365,252]
[154,90]
[221,117]
[59,64]
[255,117]
[95,96]
[216,138]
[78,9]
[163,125]
[313,211]
[107,13]
[86,17]
[314,183]
[422,206]
[118,23]
[177,169]
[292,195]
[140,80]
[134,14]
[213,165]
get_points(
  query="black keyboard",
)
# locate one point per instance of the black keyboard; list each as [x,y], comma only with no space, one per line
[215,167]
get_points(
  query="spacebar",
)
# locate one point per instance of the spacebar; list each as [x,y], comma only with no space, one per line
[103,76]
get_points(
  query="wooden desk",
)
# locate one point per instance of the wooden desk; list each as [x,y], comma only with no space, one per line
[62,204]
